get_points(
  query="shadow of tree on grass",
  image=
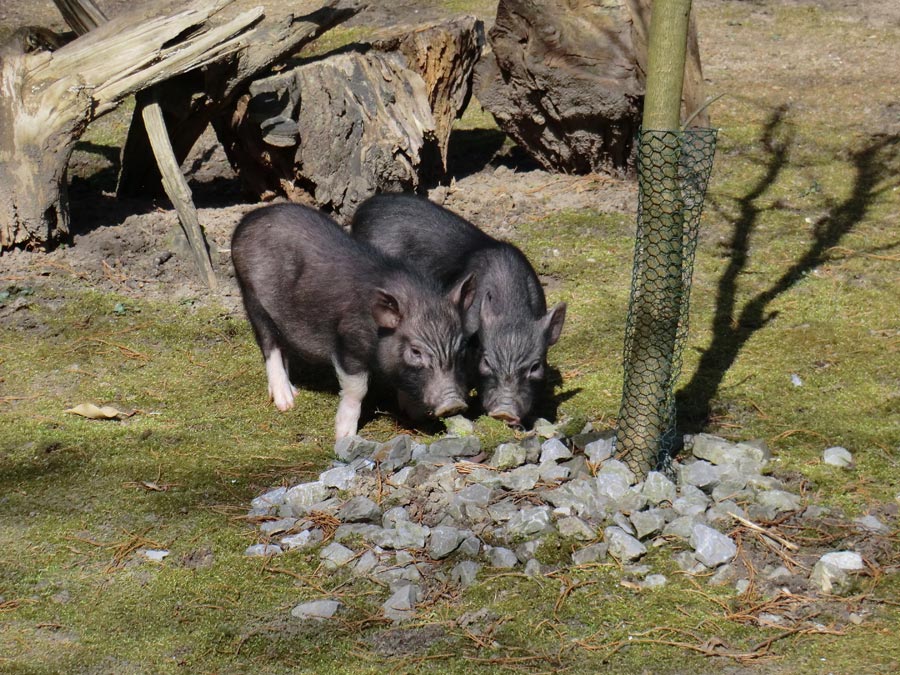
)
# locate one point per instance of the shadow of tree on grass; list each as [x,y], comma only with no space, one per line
[733,327]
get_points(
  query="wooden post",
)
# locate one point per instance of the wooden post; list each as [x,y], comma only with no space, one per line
[657,289]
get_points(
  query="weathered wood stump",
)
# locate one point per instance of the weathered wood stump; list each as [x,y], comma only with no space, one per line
[335,130]
[565,79]
[49,97]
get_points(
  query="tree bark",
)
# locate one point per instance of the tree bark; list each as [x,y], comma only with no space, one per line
[49,98]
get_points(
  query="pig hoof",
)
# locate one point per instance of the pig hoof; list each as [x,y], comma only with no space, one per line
[344,429]
[284,398]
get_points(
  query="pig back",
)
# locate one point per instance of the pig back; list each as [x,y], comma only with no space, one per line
[313,280]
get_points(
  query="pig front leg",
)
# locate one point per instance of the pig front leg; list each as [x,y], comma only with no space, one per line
[353,390]
[280,388]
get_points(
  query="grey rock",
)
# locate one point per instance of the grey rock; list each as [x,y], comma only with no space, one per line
[470,546]
[394,453]
[654,581]
[464,446]
[316,609]
[599,450]
[457,425]
[544,428]
[575,528]
[688,563]
[622,546]
[532,445]
[780,572]
[527,550]
[263,504]
[711,547]
[367,531]
[748,458]
[701,474]
[360,509]
[521,479]
[401,477]
[580,496]
[778,501]
[724,575]
[397,577]
[733,489]
[502,557]
[611,485]
[533,568]
[503,510]
[722,512]
[657,488]
[838,456]
[394,515]
[465,573]
[648,523]
[340,477]
[365,564]
[401,605]
[614,466]
[692,501]
[477,495]
[352,447]
[336,555]
[302,540]
[554,450]
[759,482]
[485,477]
[404,534]
[551,472]
[871,524]
[443,541]
[621,520]
[681,527]
[300,497]
[329,506]
[276,526]
[262,550]
[362,465]
[577,466]
[849,561]
[742,586]
[529,521]
[827,578]
[590,553]
[508,456]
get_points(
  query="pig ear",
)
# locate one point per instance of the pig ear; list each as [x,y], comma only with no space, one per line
[386,309]
[553,323]
[463,294]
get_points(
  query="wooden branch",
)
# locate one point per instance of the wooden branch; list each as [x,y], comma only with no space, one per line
[81,15]
[176,186]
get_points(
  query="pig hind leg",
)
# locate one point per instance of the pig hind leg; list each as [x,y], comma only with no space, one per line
[281,391]
[353,390]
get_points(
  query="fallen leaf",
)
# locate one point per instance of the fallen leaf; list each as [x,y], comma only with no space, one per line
[93,412]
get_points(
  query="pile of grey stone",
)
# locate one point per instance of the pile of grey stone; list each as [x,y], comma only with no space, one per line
[413,515]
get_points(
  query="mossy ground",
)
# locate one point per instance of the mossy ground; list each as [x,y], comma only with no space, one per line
[796,273]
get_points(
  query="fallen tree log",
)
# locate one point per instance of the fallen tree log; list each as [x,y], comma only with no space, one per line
[50,97]
[565,79]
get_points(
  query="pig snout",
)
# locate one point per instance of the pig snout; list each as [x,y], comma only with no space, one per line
[453,406]
[506,415]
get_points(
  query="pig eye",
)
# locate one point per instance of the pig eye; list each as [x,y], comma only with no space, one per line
[536,371]
[414,357]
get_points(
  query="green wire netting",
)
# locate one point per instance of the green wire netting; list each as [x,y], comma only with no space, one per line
[673,172]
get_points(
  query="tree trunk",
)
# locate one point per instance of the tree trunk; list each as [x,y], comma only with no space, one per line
[566,79]
[49,98]
[657,285]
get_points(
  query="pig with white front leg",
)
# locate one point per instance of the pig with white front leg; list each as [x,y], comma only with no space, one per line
[313,292]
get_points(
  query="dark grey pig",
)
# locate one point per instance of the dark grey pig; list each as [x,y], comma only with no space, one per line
[510,312]
[311,290]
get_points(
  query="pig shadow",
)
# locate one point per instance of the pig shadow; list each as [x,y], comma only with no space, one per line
[550,397]
[733,327]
